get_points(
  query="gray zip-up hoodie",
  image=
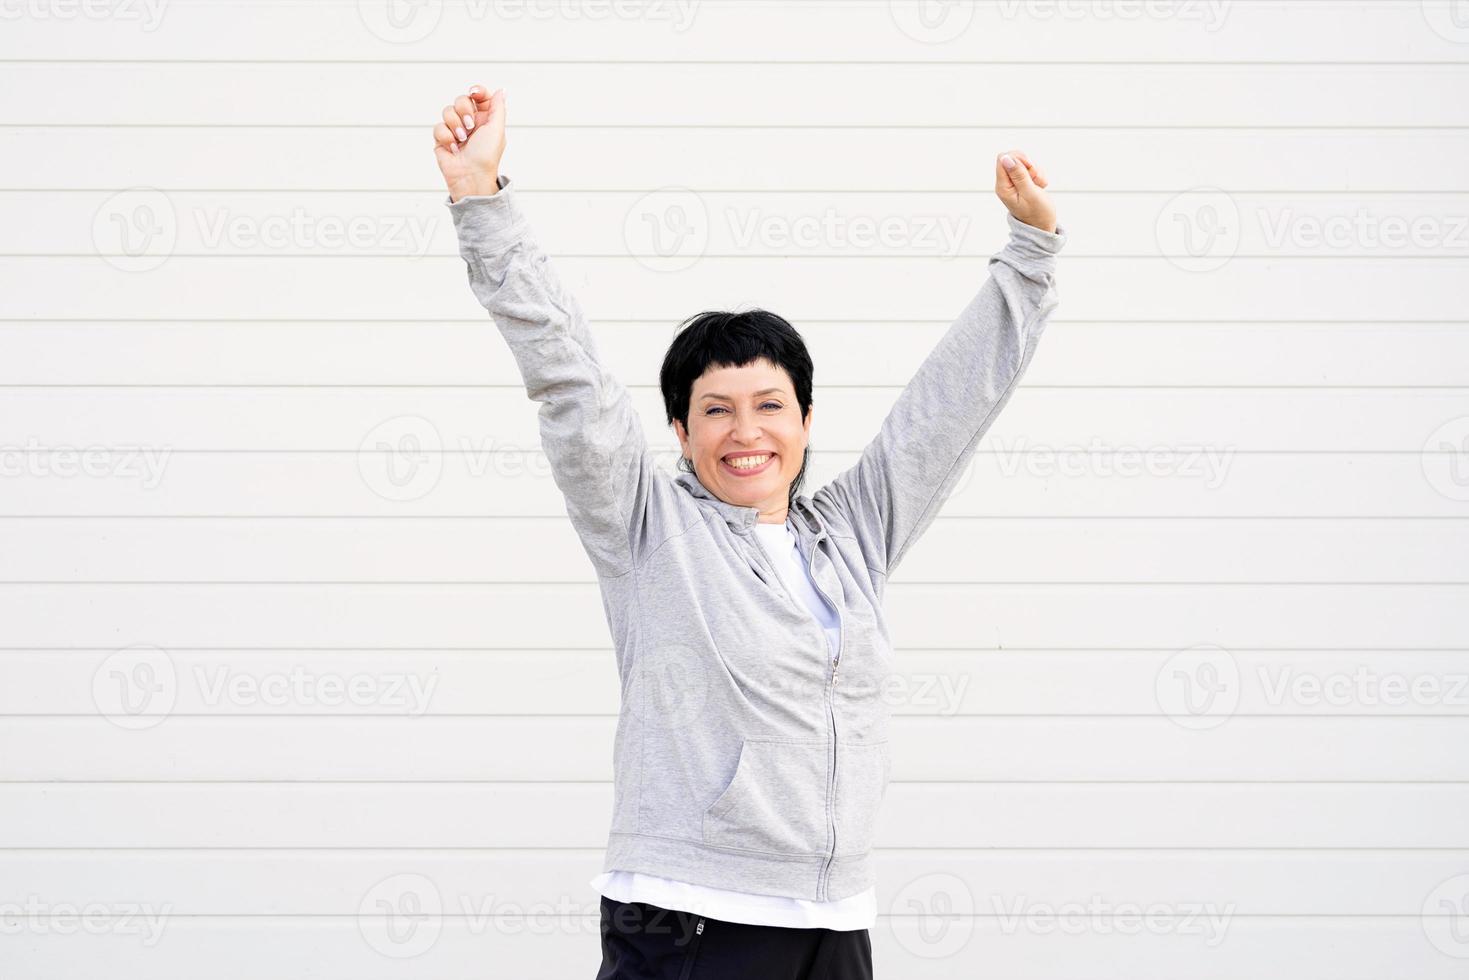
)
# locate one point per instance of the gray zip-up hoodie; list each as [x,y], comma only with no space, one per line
[747,757]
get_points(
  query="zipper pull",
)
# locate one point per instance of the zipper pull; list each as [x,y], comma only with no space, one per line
[836,665]
[700,930]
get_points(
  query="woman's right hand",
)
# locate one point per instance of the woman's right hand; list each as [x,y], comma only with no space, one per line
[1019,185]
[469,141]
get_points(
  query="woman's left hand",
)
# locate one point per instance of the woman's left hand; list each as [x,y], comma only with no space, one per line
[1018,185]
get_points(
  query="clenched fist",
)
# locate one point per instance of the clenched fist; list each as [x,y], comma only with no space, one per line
[469,141]
[1018,185]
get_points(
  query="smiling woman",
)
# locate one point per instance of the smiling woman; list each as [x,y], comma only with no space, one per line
[737,391]
[752,751]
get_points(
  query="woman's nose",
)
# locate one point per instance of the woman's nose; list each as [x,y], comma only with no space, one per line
[747,427]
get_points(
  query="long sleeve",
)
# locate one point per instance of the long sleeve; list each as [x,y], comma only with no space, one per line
[590,432]
[895,489]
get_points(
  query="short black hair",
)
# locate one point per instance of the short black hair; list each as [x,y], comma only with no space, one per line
[719,338]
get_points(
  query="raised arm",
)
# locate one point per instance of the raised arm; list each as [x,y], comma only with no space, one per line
[894,491]
[592,436]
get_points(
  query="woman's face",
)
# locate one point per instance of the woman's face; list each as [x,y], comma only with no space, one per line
[746,412]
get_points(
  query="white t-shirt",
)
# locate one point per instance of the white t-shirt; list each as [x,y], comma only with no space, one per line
[854,912]
[779,542]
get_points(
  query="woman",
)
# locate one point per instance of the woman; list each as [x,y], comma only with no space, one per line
[751,751]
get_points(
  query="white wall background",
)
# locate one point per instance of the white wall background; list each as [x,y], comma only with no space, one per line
[1238,462]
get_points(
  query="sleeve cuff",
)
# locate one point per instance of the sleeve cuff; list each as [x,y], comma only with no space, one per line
[487,222]
[1036,239]
[1031,249]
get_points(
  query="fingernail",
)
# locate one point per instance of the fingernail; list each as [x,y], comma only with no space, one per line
[1008,161]
[459,133]
[468,122]
[473,89]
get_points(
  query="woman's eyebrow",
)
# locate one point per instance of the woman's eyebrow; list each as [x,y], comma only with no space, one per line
[762,391]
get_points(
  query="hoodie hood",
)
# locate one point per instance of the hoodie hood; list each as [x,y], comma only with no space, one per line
[743,519]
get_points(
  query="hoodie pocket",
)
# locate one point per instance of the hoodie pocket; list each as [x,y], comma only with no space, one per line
[776,801]
[862,779]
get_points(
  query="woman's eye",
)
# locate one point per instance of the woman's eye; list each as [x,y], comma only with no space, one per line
[718,408]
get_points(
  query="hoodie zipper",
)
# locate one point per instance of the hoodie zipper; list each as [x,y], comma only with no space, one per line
[830,690]
[831,711]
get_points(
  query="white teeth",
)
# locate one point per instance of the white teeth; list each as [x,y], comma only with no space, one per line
[748,462]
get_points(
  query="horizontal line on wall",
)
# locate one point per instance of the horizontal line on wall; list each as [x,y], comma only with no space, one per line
[518,387]
[890,189]
[542,783]
[730,256]
[562,517]
[480,321]
[420,189]
[569,583]
[1151,450]
[604,650]
[962,62]
[476,918]
[563,849]
[539,190]
[487,715]
[802,127]
[787,4]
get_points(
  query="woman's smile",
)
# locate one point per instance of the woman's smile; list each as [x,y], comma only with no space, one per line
[747,464]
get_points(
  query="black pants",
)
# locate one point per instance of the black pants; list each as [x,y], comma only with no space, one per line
[645,942]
